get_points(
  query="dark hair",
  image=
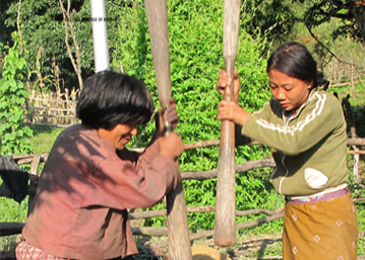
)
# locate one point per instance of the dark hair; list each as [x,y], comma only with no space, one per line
[110,98]
[295,60]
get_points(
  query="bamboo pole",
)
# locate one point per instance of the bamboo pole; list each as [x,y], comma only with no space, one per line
[177,222]
[225,219]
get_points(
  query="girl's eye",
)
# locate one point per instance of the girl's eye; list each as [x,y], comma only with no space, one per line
[288,89]
[273,87]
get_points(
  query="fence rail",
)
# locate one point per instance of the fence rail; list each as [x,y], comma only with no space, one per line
[51,109]
[11,228]
[342,74]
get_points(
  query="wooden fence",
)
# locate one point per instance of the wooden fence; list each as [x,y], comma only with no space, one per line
[342,74]
[58,109]
[7,229]
[51,109]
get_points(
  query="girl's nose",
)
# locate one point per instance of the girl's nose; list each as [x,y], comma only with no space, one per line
[280,94]
[134,131]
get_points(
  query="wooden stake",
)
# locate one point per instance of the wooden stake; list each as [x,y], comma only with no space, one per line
[225,218]
[177,221]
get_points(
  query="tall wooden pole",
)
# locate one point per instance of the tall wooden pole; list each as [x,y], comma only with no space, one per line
[225,217]
[177,222]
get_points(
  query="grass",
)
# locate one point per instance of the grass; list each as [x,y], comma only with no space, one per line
[345,48]
[357,101]
[44,138]
[357,98]
[11,211]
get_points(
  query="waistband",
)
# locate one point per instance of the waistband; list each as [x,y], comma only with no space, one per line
[331,193]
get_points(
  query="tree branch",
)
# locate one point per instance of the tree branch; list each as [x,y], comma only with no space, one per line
[66,18]
[19,29]
[324,46]
[78,58]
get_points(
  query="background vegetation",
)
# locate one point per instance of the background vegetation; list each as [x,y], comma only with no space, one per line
[195,34]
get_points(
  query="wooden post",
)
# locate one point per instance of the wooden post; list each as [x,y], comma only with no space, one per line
[177,221]
[225,218]
[350,120]
[34,171]
[352,74]
[177,224]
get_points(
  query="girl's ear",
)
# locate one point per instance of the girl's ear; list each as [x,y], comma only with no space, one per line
[310,85]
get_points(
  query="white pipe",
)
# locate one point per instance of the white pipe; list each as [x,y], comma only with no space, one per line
[100,35]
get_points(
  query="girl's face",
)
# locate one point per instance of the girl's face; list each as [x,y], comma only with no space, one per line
[119,136]
[290,92]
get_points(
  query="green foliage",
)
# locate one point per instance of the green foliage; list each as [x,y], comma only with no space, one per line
[360,208]
[337,25]
[273,18]
[350,12]
[13,133]
[43,139]
[195,39]
[344,48]
[357,101]
[11,211]
[43,19]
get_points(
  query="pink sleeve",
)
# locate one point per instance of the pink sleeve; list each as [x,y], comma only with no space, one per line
[140,159]
[148,155]
[118,184]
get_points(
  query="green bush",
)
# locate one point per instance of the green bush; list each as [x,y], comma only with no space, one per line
[13,133]
[195,38]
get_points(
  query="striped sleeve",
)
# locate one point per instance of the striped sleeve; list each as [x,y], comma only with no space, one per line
[241,137]
[318,119]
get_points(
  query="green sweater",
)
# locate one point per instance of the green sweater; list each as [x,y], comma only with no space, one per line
[309,149]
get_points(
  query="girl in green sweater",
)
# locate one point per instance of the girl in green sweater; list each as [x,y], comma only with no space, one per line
[307,132]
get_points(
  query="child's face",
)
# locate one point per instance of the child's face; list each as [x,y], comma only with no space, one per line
[290,92]
[120,135]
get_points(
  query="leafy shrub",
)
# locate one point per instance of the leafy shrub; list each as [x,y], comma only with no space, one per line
[13,133]
[196,40]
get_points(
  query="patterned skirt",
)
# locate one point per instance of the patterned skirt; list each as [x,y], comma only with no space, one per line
[321,230]
[24,251]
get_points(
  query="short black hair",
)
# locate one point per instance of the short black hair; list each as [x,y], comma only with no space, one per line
[295,60]
[110,98]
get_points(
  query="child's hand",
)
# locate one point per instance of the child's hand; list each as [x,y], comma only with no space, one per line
[224,81]
[171,145]
[228,110]
[171,116]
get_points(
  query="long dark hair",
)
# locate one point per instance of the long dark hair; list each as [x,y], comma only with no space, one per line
[295,60]
[110,98]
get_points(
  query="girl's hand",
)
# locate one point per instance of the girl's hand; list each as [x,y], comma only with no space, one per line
[171,145]
[171,116]
[228,110]
[224,81]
